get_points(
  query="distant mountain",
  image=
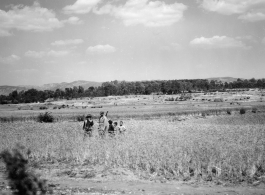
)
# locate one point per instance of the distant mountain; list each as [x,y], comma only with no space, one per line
[223,79]
[5,90]
[63,85]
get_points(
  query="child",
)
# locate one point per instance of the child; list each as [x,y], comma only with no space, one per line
[88,126]
[111,130]
[122,128]
[116,127]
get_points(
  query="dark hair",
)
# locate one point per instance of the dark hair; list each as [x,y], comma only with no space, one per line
[110,121]
[115,123]
[89,116]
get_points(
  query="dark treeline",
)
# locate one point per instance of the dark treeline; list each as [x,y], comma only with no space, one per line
[130,88]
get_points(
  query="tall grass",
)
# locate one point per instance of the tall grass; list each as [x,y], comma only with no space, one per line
[227,147]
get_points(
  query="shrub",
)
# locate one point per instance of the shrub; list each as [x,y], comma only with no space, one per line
[55,107]
[43,108]
[170,99]
[20,178]
[218,100]
[229,112]
[254,110]
[46,118]
[242,111]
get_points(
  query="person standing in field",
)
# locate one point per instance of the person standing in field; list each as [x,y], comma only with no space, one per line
[88,126]
[103,125]
[122,128]
[111,130]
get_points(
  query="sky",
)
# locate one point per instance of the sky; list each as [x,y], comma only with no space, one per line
[53,41]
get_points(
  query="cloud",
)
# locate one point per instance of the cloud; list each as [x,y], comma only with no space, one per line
[35,54]
[148,13]
[253,17]
[248,9]
[4,33]
[81,7]
[10,59]
[218,42]
[228,7]
[73,20]
[67,42]
[100,49]
[51,53]
[34,18]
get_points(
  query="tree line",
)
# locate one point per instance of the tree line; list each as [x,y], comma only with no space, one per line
[114,88]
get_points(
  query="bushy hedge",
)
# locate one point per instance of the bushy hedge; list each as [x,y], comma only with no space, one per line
[43,108]
[45,118]
[218,100]
[242,111]
[21,180]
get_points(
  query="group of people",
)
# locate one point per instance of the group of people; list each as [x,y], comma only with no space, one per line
[105,126]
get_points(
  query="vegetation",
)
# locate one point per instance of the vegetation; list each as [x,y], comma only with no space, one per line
[242,111]
[45,118]
[230,148]
[21,180]
[229,111]
[126,88]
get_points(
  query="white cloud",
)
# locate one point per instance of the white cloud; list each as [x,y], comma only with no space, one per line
[100,49]
[148,13]
[228,7]
[35,54]
[218,42]
[51,53]
[34,18]
[74,20]
[253,17]
[81,7]
[248,9]
[10,59]
[67,42]
[58,53]
[4,33]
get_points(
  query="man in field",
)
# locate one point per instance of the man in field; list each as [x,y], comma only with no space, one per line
[103,125]
[88,126]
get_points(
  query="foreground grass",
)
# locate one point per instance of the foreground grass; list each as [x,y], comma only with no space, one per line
[227,147]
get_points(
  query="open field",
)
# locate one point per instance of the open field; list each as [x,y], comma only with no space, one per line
[193,146]
[138,106]
[216,149]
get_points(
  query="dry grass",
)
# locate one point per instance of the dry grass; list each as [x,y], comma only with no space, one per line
[227,147]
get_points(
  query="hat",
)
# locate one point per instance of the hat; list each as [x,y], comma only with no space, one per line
[88,116]
[101,112]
